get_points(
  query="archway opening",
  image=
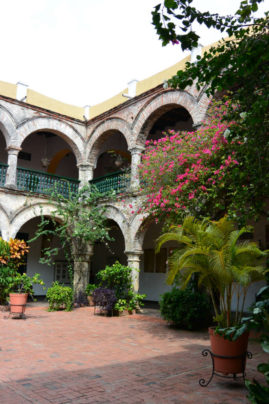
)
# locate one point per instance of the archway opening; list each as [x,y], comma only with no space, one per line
[172,117]
[154,267]
[3,160]
[58,271]
[3,152]
[47,152]
[106,254]
[112,155]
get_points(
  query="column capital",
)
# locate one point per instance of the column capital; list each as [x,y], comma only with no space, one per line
[85,166]
[13,149]
[133,254]
[136,149]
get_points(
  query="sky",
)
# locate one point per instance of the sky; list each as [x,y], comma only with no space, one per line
[83,52]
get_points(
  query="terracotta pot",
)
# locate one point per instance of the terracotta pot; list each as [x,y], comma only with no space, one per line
[229,349]
[90,300]
[18,302]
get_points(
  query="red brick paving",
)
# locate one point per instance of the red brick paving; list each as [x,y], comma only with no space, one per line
[79,358]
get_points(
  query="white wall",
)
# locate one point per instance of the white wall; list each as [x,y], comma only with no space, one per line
[33,265]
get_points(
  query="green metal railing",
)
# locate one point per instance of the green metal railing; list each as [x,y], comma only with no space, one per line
[3,173]
[118,182]
[44,183]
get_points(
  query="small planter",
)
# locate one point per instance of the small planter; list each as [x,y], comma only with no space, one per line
[17,302]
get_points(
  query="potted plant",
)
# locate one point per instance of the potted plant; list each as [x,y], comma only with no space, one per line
[224,266]
[104,299]
[89,291]
[12,254]
[121,307]
[60,297]
[21,287]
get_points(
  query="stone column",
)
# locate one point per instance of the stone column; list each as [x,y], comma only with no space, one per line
[133,259]
[136,160]
[11,177]
[81,271]
[85,173]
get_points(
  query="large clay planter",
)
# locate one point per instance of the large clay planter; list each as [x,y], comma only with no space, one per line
[17,302]
[229,349]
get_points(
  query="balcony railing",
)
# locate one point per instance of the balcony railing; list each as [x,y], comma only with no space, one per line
[3,172]
[44,183]
[118,182]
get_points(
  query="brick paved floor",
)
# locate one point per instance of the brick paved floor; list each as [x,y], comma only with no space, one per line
[80,358]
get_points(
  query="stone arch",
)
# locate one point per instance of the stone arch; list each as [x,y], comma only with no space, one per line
[7,126]
[170,97]
[97,136]
[115,214]
[72,137]
[4,223]
[25,214]
[137,231]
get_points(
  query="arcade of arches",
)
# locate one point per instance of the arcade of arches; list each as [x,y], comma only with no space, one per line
[39,150]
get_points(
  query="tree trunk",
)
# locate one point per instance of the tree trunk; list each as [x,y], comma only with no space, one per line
[81,273]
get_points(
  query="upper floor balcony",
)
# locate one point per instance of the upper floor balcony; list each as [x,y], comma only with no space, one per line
[118,181]
[39,182]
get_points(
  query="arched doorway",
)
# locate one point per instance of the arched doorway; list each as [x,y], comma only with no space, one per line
[57,271]
[169,117]
[39,150]
[3,160]
[110,252]
[154,267]
[45,161]
[111,153]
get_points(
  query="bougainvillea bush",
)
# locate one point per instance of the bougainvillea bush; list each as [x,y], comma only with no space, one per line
[201,173]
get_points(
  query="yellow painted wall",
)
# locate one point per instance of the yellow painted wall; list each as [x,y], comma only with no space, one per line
[142,86]
[8,89]
[112,102]
[40,100]
[156,79]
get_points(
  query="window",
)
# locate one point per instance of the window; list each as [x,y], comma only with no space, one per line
[155,263]
[61,272]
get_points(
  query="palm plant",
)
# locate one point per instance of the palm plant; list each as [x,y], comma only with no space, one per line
[223,264]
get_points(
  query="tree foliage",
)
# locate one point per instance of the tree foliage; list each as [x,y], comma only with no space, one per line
[77,221]
[238,64]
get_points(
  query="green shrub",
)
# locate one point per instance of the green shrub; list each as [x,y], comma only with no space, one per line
[90,288]
[186,309]
[117,277]
[60,297]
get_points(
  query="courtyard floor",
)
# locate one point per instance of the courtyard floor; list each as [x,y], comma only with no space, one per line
[82,358]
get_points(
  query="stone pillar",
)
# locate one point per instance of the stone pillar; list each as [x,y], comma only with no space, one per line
[11,177]
[136,160]
[85,173]
[81,271]
[133,259]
